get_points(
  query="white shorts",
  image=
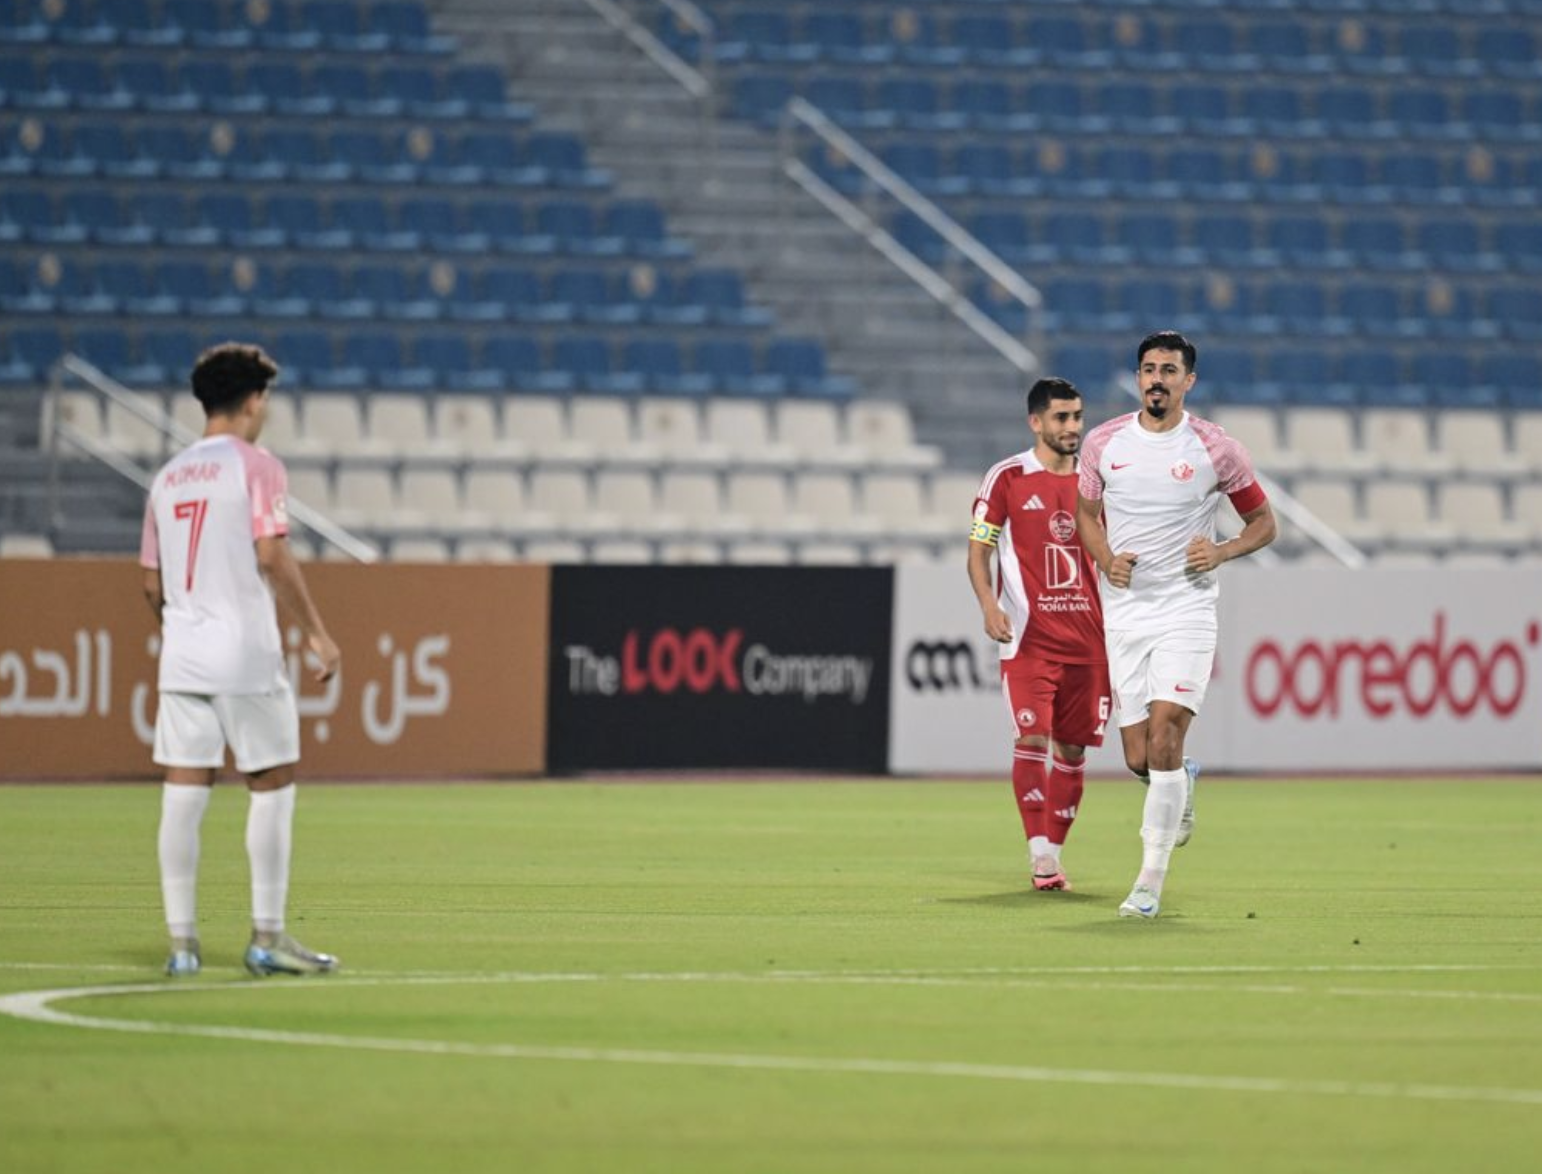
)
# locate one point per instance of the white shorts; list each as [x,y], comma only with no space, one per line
[1159,666]
[261,729]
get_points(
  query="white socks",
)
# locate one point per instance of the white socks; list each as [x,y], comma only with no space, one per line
[182,808]
[1159,824]
[268,824]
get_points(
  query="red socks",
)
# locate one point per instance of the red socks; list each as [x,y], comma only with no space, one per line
[1028,770]
[1062,794]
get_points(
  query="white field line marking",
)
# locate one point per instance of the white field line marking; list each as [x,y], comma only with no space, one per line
[35,1006]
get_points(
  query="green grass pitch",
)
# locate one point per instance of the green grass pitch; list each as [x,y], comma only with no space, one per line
[785,977]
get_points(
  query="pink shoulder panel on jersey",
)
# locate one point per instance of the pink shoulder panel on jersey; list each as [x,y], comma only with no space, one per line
[1089,482]
[268,486]
[1233,466]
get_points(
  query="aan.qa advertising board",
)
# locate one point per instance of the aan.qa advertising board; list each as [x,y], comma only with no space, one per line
[731,667]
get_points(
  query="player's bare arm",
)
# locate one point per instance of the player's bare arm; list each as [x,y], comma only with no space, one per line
[283,572]
[154,596]
[1119,568]
[1258,530]
[998,626]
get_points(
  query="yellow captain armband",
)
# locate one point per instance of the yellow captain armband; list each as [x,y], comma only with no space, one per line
[982,531]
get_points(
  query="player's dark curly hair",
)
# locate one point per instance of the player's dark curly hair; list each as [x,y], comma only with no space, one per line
[226,374]
[1168,340]
[1048,389]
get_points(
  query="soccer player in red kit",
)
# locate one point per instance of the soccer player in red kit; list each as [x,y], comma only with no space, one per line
[1044,611]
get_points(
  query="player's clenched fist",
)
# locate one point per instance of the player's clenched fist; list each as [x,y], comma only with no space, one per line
[1122,569]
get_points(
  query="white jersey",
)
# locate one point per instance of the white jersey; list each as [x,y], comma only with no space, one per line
[207,507]
[1160,490]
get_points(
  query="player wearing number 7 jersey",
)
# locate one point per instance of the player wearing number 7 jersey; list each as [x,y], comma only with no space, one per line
[215,555]
[1150,484]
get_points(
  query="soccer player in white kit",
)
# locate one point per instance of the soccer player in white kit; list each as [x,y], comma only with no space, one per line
[215,555]
[1154,479]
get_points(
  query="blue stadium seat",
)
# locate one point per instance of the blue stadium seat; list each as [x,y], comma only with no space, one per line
[494,157]
[306,357]
[27,215]
[277,27]
[1149,237]
[1431,50]
[1454,243]
[379,355]
[1379,243]
[840,37]
[1299,307]
[1375,310]
[1304,241]
[166,356]
[290,90]
[518,359]
[87,84]
[639,224]
[722,292]
[1447,377]
[917,105]
[986,168]
[1226,240]
[563,157]
[989,39]
[1362,47]
[504,223]
[219,89]
[36,348]
[1201,108]
[1512,377]
[766,35]
[1075,304]
[761,98]
[1090,366]
[1065,40]
[1128,173]
[21,23]
[1493,112]
[920,165]
[1227,373]
[231,215]
[520,294]
[661,364]
[1519,244]
[1510,49]
[300,217]
[447,357]
[437,223]
[1375,378]
[370,222]
[1215,46]
[587,359]
[407,28]
[1424,112]
[1350,111]
[197,289]
[107,348]
[1078,236]
[205,25]
[1279,111]
[919,39]
[1518,310]
[1060,105]
[342,27]
[986,103]
[800,364]
[482,88]
[730,366]
[595,297]
[575,227]
[179,153]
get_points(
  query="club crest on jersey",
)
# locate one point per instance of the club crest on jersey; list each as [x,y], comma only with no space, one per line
[1062,526]
[1183,471]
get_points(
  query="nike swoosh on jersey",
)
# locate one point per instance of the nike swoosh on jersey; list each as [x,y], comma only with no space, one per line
[1126,465]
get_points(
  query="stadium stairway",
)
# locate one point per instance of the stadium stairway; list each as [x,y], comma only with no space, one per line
[819,278]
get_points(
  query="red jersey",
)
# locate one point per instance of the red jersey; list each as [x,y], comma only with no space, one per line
[1046,581]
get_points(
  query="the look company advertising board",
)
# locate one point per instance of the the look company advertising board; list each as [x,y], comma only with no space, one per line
[442,671]
[1319,669]
[719,667]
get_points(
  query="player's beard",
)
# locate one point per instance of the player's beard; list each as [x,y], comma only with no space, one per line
[1157,410]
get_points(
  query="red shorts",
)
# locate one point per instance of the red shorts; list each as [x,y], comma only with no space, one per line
[1068,702]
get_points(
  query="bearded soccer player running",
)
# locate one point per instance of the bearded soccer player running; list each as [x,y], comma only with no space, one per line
[1045,613]
[1155,478]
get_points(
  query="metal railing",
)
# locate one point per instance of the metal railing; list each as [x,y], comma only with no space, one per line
[801,117]
[700,84]
[59,432]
